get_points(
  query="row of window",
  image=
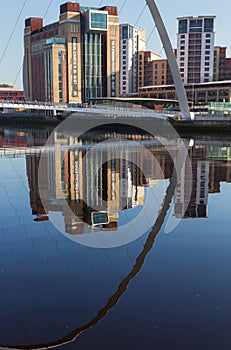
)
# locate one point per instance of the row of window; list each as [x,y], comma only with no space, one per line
[11,94]
[196,36]
[196,25]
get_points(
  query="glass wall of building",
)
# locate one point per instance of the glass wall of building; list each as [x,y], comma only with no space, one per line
[93,65]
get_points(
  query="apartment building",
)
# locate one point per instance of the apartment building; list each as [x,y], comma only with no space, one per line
[195,48]
[222,64]
[132,40]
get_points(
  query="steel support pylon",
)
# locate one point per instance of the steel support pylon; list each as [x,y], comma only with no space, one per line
[180,90]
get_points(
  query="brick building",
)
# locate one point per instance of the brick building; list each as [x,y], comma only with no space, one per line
[73,59]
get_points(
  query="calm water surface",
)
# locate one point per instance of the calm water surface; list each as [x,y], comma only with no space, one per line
[85,257]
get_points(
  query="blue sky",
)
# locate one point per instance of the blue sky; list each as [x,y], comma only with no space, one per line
[133,11]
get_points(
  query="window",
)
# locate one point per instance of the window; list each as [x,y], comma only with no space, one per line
[208,24]
[74,28]
[183,26]
[206,69]
[125,33]
[131,32]
[208,35]
[207,63]
[113,31]
[196,25]
[207,52]
[207,47]
[206,58]
[98,20]
[182,47]
[207,41]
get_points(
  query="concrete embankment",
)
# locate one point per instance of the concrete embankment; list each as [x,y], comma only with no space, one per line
[203,124]
[200,125]
[28,120]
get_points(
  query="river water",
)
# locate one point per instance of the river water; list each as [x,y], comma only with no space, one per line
[99,247]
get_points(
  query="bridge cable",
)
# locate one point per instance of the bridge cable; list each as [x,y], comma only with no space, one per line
[48,8]
[141,14]
[100,3]
[21,67]
[12,32]
[161,50]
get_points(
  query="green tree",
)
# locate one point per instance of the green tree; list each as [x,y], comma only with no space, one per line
[5,86]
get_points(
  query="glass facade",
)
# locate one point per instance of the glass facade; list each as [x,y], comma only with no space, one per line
[196,25]
[208,24]
[183,26]
[127,32]
[59,41]
[93,72]
[48,75]
[98,20]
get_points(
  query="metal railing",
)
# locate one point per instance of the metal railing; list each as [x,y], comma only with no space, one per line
[83,108]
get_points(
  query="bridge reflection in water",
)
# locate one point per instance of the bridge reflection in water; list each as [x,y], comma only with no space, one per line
[55,289]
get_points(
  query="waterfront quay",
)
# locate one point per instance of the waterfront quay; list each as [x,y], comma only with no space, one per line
[47,113]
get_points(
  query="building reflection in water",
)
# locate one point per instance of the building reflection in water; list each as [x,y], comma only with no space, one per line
[210,166]
[120,183]
[94,181]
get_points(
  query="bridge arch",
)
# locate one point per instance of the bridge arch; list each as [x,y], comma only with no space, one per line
[171,58]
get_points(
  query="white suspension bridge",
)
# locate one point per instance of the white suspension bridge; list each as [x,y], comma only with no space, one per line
[54,109]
